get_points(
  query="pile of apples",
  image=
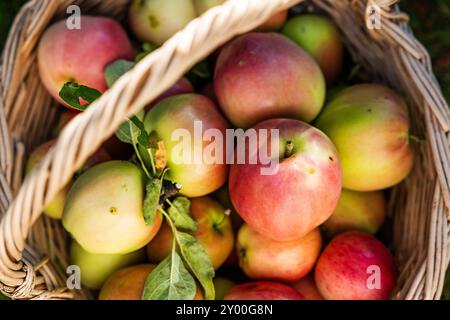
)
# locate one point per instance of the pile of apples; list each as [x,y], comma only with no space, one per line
[305,232]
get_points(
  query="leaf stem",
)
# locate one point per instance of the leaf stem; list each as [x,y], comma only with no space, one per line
[152,161]
[136,150]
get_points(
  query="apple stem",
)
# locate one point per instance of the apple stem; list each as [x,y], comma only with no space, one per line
[289,149]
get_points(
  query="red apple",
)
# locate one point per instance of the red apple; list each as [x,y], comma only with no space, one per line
[264,258]
[355,266]
[214,233]
[181,122]
[300,195]
[275,22]
[307,288]
[260,76]
[263,290]
[81,55]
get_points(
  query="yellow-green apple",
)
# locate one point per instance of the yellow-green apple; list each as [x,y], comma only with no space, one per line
[263,290]
[96,268]
[81,54]
[307,288]
[355,266]
[275,22]
[362,211]
[202,6]
[222,286]
[369,125]
[157,20]
[214,233]
[195,162]
[260,76]
[320,38]
[307,166]
[128,284]
[263,258]
[55,208]
[104,209]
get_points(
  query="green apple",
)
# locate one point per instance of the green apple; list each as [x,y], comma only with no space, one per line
[158,20]
[318,36]
[104,209]
[96,268]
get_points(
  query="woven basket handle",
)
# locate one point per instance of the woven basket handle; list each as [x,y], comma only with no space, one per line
[82,136]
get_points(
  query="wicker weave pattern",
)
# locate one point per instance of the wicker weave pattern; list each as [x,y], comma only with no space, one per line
[420,205]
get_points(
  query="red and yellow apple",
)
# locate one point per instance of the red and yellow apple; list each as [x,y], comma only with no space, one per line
[263,290]
[104,209]
[263,258]
[259,76]
[318,36]
[355,266]
[369,125]
[297,197]
[181,122]
[361,211]
[81,55]
[214,233]
[96,268]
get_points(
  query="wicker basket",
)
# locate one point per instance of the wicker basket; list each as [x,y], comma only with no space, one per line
[33,247]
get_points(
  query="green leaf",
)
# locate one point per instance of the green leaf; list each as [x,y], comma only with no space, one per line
[198,261]
[151,200]
[133,132]
[117,69]
[180,214]
[170,280]
[143,138]
[128,132]
[72,92]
